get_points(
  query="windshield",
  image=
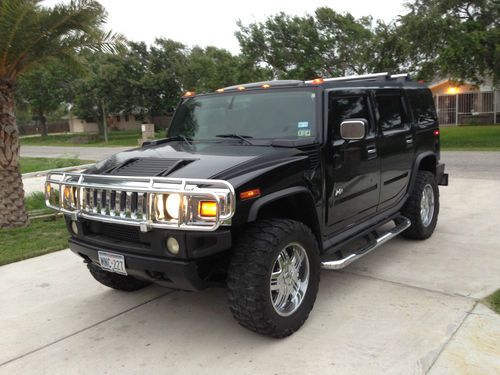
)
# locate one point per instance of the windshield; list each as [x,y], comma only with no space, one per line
[259,115]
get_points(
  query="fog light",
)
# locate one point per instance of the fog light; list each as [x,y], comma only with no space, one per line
[173,245]
[74,227]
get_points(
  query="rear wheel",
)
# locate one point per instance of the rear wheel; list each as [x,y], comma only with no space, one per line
[116,281]
[273,277]
[422,207]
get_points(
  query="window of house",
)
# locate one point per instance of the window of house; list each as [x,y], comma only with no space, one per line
[391,112]
[126,118]
[345,108]
[118,118]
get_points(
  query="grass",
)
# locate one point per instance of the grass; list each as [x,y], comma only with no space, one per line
[42,236]
[43,164]
[493,301]
[115,139]
[471,138]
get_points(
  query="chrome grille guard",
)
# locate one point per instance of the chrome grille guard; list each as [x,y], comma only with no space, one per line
[136,201]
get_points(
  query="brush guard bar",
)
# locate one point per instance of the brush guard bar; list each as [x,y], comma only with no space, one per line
[132,200]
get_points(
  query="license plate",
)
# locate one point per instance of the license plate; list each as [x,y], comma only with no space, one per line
[112,262]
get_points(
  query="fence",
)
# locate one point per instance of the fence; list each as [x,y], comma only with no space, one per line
[52,127]
[468,108]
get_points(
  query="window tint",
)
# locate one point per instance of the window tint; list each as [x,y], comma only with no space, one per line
[345,108]
[264,115]
[423,107]
[391,112]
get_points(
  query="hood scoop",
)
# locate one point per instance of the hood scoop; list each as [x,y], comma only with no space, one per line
[148,167]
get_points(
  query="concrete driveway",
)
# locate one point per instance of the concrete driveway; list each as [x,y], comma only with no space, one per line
[409,307]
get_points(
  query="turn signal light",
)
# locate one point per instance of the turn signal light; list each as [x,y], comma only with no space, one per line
[207,208]
[250,194]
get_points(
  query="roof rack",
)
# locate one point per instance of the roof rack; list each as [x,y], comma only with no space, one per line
[274,83]
[368,77]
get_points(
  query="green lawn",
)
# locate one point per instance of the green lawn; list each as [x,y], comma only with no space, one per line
[43,164]
[116,138]
[493,301]
[471,138]
[41,237]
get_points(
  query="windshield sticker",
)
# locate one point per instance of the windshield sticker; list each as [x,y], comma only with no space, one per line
[304,133]
[303,124]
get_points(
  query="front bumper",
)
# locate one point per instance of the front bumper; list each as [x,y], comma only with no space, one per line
[176,274]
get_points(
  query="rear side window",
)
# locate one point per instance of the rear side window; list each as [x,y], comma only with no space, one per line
[345,108]
[391,112]
[422,106]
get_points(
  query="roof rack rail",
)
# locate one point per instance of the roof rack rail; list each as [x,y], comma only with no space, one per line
[401,77]
[368,77]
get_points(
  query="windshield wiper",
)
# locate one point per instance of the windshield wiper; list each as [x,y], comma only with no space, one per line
[237,136]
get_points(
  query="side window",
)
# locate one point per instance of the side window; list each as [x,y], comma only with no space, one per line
[391,112]
[422,106]
[344,108]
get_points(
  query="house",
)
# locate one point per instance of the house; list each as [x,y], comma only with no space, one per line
[466,103]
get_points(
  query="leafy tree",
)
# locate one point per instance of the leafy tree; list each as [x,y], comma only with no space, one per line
[455,38]
[44,89]
[325,44]
[30,35]
[210,68]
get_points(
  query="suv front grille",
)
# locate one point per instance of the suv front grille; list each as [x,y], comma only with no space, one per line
[120,232]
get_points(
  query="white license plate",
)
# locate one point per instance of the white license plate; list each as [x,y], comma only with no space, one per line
[112,262]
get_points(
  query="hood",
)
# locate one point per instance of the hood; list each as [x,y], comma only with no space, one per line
[201,160]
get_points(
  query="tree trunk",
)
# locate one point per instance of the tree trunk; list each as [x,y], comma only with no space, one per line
[43,122]
[12,211]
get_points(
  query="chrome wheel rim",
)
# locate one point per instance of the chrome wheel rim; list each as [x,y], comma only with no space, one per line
[427,205]
[289,279]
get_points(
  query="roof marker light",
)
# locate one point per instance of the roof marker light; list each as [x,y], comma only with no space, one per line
[220,90]
[241,88]
[317,81]
[188,94]
[266,86]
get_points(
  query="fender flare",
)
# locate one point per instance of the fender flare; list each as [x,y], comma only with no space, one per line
[261,202]
[416,167]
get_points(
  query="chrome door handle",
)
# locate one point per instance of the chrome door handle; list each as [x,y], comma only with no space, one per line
[409,139]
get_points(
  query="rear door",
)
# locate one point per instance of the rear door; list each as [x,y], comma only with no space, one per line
[353,167]
[395,144]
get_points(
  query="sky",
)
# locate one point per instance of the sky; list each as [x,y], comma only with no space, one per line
[213,22]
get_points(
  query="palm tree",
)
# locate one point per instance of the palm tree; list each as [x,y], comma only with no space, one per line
[31,34]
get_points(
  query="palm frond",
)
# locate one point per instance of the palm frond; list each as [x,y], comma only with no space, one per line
[31,33]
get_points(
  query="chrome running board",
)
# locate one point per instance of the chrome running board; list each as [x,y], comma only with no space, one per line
[404,223]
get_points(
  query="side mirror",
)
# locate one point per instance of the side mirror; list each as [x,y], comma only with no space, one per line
[353,129]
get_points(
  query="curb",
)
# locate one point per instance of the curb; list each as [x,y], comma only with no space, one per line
[43,173]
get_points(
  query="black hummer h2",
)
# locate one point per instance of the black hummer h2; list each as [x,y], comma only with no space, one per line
[258,187]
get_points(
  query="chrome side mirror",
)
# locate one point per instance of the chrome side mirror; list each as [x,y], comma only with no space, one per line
[353,129]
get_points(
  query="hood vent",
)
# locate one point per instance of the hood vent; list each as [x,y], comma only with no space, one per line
[148,167]
[313,151]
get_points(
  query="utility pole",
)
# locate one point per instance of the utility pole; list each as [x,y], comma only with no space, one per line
[104,123]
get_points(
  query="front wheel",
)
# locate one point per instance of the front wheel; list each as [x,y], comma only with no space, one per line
[273,277]
[422,207]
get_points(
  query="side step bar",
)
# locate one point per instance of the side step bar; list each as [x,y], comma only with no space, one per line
[404,223]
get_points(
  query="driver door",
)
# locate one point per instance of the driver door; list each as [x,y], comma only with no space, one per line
[353,166]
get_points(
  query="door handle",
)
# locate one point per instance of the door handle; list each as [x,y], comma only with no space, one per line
[371,151]
[409,139]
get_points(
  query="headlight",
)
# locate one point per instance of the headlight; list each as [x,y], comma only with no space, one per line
[172,205]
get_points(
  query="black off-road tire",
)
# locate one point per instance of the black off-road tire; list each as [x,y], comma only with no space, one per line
[250,270]
[411,209]
[116,281]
